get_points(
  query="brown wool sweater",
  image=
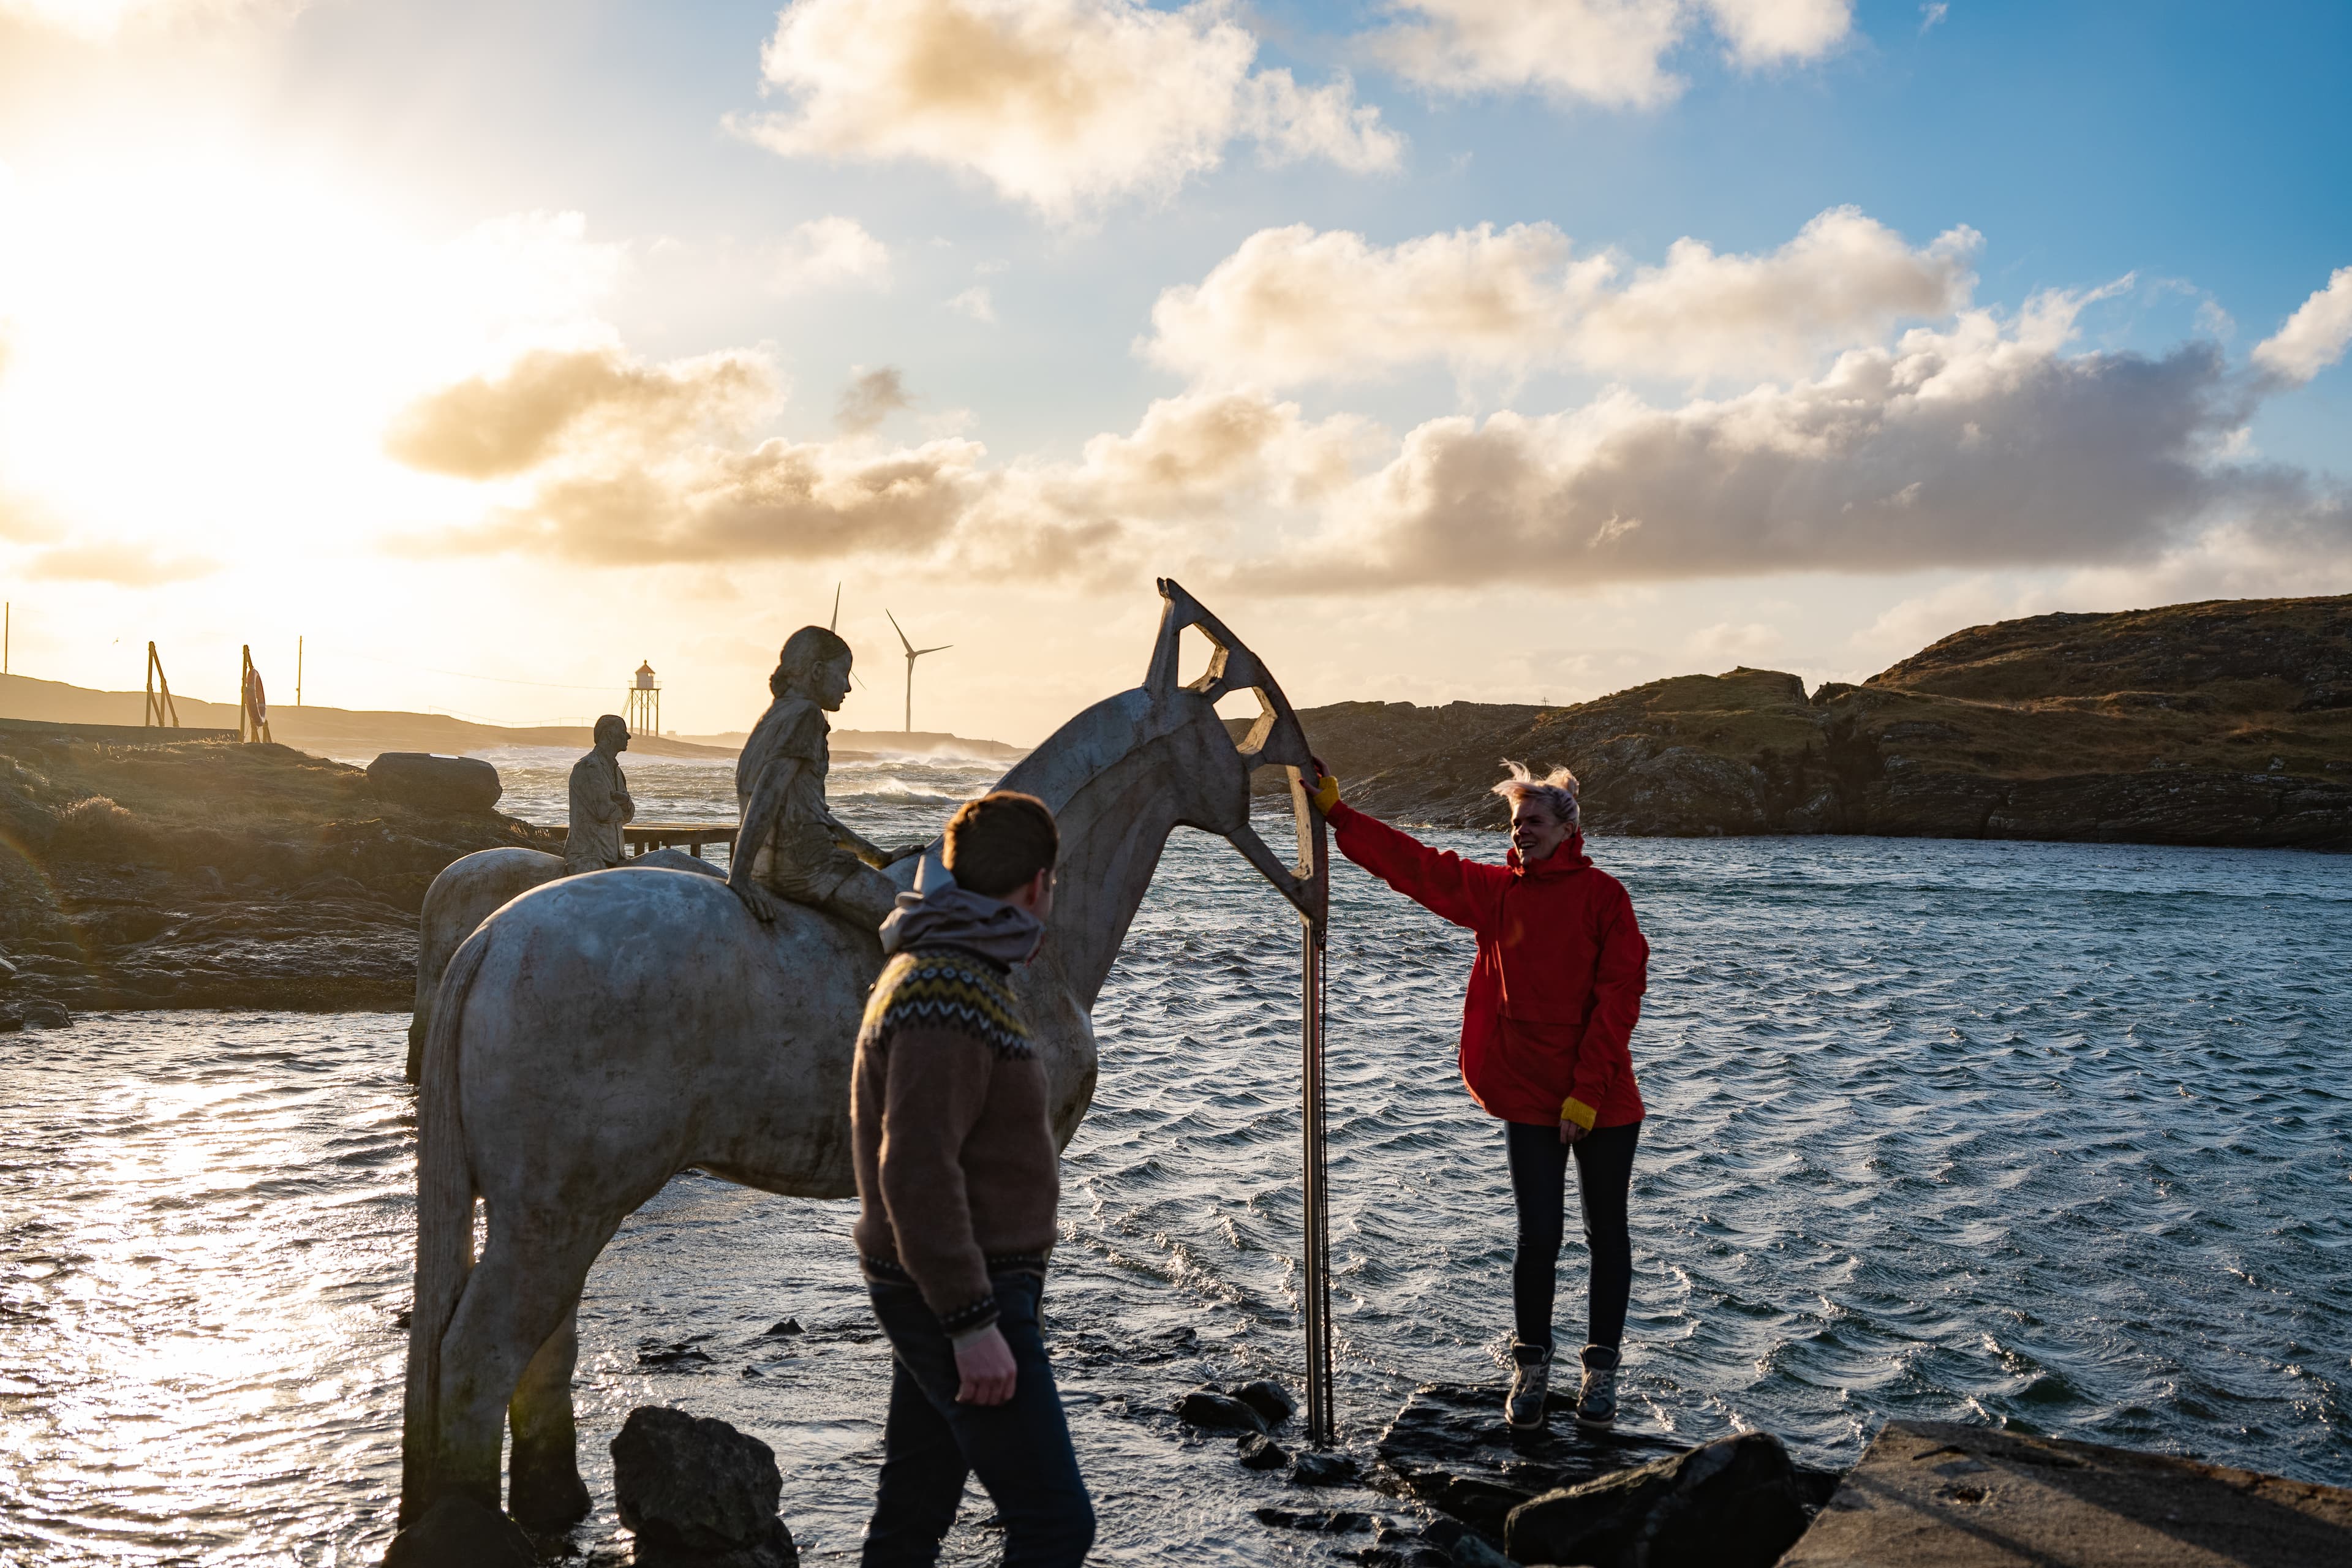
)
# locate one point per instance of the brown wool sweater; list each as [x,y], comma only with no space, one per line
[957,1171]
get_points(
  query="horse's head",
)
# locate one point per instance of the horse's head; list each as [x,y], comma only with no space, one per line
[1215,768]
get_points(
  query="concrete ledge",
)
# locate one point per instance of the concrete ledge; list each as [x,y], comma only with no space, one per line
[1934,1494]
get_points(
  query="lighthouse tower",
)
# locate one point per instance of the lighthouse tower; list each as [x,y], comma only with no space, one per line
[643,709]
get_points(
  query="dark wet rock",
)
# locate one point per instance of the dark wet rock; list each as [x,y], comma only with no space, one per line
[46,1015]
[784,1326]
[1326,1521]
[7,974]
[459,1533]
[1212,1410]
[1449,1447]
[1260,1452]
[680,1355]
[1324,1471]
[1735,1502]
[435,781]
[697,1492]
[1269,1399]
[11,1021]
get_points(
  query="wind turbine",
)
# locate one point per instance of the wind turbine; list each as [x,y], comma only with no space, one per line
[913,653]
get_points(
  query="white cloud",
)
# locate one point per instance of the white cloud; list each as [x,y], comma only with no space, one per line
[975,303]
[1736,639]
[1984,444]
[1609,52]
[102,19]
[1293,305]
[831,252]
[1769,32]
[1932,13]
[2315,337]
[620,461]
[1062,104]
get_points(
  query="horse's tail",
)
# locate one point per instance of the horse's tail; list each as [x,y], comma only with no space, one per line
[444,1228]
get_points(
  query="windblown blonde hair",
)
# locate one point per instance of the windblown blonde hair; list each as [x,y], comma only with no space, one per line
[1557,790]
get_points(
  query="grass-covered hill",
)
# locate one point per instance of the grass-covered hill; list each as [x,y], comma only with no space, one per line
[2223,723]
[205,873]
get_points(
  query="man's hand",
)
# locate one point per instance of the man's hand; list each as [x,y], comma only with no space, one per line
[985,1364]
[759,901]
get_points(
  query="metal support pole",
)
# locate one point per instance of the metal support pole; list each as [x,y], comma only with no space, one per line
[1314,866]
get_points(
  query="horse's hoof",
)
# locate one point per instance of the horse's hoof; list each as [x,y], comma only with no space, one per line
[460,1530]
[548,1500]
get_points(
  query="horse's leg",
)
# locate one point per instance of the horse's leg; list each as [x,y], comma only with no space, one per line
[515,1299]
[543,1488]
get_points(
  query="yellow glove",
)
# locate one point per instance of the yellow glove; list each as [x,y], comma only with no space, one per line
[1326,792]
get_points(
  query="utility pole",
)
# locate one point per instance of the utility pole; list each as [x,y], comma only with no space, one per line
[7,633]
[913,653]
[298,672]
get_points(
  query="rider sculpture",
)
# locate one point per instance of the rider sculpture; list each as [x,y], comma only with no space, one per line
[601,805]
[791,844]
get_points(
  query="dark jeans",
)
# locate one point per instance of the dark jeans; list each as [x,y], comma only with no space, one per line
[1020,1449]
[1604,1171]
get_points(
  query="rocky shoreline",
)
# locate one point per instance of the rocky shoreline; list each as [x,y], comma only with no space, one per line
[209,874]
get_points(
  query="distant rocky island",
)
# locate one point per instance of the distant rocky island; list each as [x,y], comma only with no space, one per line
[201,873]
[2225,723]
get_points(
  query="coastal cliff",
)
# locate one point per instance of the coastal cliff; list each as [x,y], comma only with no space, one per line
[2225,722]
[209,874]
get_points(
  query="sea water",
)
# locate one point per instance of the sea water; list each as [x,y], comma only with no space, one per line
[2048,1135]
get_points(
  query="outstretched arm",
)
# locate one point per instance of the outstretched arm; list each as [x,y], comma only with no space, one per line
[1447,886]
[760,813]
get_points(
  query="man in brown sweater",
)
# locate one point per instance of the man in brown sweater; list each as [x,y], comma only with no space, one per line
[957,1179]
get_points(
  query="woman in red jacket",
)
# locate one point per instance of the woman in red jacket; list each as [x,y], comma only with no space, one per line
[1553,998]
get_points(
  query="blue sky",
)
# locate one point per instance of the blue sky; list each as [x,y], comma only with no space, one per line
[316,252]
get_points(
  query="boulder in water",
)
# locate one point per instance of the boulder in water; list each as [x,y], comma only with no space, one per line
[1260,1452]
[1323,1470]
[460,1533]
[1214,1410]
[1269,1399]
[433,782]
[697,1492]
[1735,1502]
[47,1015]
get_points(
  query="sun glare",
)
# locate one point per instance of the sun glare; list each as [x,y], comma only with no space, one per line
[202,353]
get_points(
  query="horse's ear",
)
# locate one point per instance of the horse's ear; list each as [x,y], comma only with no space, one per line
[1179,609]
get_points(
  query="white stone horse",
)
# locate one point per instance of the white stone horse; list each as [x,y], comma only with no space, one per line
[602,1033]
[472,888]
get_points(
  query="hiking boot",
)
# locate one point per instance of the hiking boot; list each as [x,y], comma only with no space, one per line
[1523,1407]
[1596,1402]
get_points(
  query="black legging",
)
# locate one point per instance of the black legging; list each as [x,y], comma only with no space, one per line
[1604,1171]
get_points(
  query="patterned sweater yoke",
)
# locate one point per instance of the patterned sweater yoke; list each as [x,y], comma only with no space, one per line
[941,988]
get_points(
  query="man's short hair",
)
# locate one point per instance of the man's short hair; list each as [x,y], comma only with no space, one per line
[612,725]
[1000,842]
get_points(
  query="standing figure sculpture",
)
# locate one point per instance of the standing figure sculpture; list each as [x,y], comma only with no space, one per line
[600,801]
[790,847]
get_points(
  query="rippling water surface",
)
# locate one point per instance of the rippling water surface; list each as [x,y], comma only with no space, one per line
[2052,1135]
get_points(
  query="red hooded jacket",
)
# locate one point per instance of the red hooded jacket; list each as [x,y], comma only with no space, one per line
[1559,978]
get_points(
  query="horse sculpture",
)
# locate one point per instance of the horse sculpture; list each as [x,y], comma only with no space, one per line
[466,893]
[600,1033]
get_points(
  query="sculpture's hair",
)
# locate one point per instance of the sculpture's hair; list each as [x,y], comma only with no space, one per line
[1557,790]
[1000,842]
[802,653]
[612,723]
